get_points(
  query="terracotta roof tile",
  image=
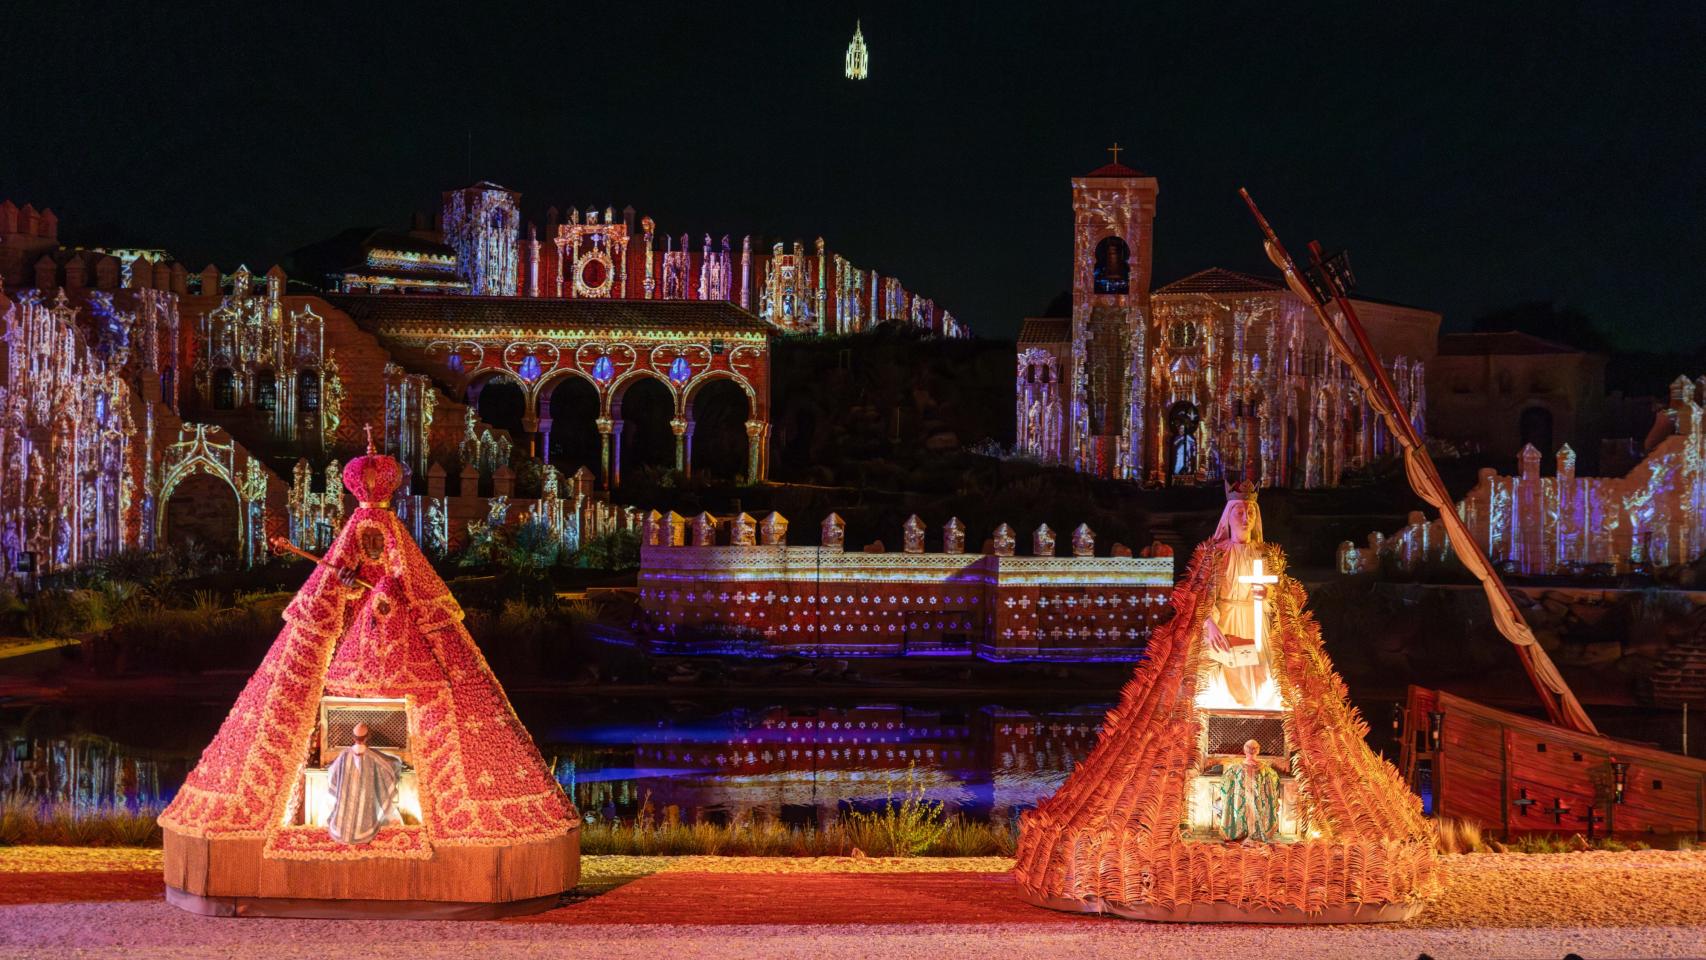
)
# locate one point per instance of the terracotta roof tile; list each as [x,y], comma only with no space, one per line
[1115,170]
[1045,330]
[1216,280]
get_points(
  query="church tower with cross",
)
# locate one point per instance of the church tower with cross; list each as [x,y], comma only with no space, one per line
[1113,211]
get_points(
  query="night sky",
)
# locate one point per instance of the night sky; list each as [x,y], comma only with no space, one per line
[1469,157]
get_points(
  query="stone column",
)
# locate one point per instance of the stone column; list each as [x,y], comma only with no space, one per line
[530,426]
[688,440]
[616,453]
[754,442]
[678,427]
[604,427]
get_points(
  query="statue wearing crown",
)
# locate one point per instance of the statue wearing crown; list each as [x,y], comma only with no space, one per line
[1234,632]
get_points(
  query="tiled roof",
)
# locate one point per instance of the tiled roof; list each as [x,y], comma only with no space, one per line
[1114,170]
[1045,330]
[401,242]
[371,311]
[1503,343]
[1216,280]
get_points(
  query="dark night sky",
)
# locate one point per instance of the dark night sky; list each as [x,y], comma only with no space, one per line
[1469,155]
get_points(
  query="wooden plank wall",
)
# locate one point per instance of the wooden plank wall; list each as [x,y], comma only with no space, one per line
[1515,774]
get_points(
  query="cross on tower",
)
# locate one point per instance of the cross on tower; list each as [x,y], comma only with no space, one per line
[1258,583]
[1115,150]
[368,428]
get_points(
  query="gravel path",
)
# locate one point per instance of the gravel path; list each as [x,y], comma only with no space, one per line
[154,931]
[1645,904]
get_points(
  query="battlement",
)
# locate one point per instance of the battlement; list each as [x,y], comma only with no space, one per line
[734,585]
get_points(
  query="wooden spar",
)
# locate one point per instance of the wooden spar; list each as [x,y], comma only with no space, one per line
[1561,704]
[283,545]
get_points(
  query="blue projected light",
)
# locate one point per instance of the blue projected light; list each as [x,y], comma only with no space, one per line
[603,370]
[679,371]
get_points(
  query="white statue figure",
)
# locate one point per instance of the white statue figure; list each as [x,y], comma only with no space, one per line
[1234,631]
[364,791]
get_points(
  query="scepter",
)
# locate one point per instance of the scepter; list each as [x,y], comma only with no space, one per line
[283,545]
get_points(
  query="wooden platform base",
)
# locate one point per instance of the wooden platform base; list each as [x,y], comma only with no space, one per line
[305,909]
[231,876]
[1230,913]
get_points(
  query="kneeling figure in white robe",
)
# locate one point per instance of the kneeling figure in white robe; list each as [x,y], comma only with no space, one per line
[364,791]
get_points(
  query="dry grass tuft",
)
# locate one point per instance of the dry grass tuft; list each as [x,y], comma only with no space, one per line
[30,823]
[1460,836]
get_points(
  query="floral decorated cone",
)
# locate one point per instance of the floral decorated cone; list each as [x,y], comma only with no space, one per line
[1156,823]
[491,832]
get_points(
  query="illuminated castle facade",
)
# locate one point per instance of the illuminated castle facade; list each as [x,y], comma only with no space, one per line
[1219,374]
[143,406]
[479,247]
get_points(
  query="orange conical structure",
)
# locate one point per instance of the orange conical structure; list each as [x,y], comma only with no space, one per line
[1132,831]
[493,832]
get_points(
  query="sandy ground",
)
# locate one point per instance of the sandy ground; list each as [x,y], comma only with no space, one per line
[1645,904]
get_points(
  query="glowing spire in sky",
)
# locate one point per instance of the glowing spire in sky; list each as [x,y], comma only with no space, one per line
[857,64]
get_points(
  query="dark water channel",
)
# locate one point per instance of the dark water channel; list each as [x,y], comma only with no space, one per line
[716,759]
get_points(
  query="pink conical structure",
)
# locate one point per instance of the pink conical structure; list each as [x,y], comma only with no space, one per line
[495,833]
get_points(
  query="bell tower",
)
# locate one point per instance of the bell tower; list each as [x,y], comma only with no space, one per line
[1113,210]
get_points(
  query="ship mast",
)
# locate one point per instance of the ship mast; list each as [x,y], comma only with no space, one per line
[1364,363]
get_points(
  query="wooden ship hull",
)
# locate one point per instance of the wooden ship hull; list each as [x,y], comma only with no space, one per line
[1517,775]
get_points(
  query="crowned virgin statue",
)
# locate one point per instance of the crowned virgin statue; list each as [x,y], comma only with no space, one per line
[1235,631]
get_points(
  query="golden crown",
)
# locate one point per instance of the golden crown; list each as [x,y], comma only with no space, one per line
[1245,490]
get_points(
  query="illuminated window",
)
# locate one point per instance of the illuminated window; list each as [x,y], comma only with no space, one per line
[308,392]
[266,391]
[224,389]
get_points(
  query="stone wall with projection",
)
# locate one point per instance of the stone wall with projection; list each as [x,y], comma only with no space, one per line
[1216,375]
[711,584]
[1651,518]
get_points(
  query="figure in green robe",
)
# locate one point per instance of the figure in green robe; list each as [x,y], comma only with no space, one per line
[1249,799]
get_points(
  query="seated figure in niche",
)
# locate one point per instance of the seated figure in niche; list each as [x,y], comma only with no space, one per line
[1249,799]
[364,791]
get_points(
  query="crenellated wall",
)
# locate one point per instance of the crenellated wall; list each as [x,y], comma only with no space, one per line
[1651,517]
[752,593]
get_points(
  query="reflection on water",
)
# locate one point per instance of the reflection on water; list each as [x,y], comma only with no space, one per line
[716,761]
[802,764]
[81,770]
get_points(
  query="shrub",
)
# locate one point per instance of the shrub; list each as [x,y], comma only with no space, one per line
[905,828]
